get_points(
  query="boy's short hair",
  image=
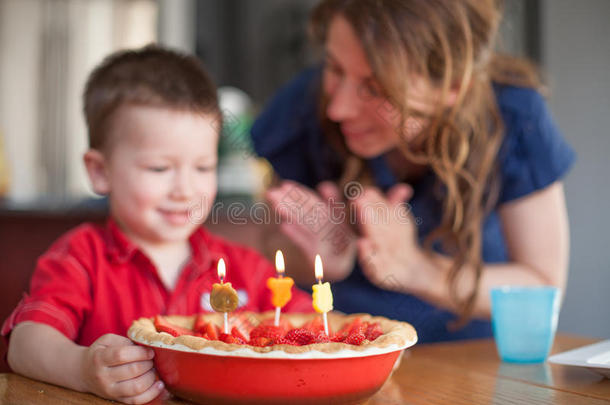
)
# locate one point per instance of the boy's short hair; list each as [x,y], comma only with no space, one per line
[151,76]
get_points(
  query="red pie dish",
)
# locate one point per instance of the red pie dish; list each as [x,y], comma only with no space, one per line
[208,371]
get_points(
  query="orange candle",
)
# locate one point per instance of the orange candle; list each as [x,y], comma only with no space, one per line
[280,286]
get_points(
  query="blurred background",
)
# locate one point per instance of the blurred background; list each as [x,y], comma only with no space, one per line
[47,48]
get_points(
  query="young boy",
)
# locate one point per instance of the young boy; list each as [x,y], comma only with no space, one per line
[153,121]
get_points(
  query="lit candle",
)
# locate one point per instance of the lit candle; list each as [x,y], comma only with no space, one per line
[280,286]
[223,297]
[322,296]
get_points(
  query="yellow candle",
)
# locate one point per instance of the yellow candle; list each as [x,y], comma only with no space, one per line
[280,286]
[322,296]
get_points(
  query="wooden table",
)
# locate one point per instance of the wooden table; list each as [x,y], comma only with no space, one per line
[445,373]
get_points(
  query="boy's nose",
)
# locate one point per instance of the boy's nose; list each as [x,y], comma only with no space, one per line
[345,103]
[182,187]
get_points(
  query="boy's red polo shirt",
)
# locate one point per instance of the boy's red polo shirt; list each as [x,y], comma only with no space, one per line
[94,281]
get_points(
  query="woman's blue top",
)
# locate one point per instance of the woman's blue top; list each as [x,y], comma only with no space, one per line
[533,155]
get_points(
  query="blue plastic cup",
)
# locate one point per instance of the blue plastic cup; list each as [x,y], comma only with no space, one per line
[524,321]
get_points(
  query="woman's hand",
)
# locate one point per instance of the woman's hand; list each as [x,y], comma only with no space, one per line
[318,224]
[388,249]
[114,368]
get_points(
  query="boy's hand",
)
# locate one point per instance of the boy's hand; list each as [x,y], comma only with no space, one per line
[115,368]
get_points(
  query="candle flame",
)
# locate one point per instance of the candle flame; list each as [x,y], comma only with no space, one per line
[318,268]
[222,269]
[279,262]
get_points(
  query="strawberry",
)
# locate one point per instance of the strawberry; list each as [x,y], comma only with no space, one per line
[203,327]
[162,325]
[373,331]
[243,322]
[355,339]
[358,327]
[352,327]
[300,336]
[315,325]
[199,325]
[285,324]
[260,341]
[268,331]
[283,341]
[235,332]
[212,331]
[225,337]
[339,337]
[321,337]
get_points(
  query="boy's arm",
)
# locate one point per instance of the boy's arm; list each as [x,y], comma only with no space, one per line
[112,367]
[41,352]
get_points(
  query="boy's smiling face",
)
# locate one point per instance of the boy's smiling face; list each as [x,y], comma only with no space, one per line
[159,172]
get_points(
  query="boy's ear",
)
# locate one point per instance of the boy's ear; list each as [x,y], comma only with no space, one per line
[95,163]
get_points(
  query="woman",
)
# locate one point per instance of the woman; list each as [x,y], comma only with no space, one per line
[411,104]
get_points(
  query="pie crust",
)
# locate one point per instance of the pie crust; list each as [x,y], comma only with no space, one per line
[396,335]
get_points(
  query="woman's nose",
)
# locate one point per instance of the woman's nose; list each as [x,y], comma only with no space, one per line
[345,102]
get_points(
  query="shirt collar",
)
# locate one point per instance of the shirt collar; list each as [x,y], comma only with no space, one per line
[120,247]
[200,252]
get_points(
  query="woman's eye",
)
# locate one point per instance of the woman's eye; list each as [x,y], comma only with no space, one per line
[205,169]
[372,89]
[332,68]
